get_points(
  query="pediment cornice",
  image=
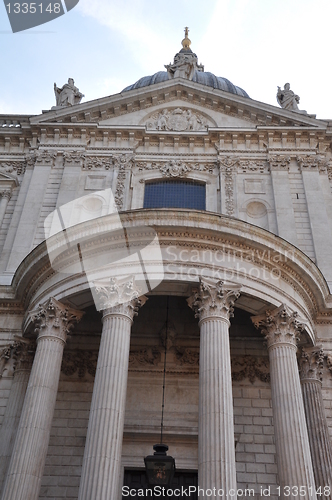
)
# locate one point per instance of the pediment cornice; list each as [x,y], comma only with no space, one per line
[192,94]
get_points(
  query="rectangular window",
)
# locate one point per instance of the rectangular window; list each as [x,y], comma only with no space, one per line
[175,194]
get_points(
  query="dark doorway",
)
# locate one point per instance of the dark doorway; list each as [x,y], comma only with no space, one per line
[135,481]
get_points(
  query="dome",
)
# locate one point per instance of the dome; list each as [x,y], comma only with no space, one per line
[202,77]
[186,66]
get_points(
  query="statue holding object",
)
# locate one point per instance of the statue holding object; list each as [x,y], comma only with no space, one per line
[68,95]
[287,99]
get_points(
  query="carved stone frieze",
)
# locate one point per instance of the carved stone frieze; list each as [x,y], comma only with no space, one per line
[247,166]
[80,362]
[187,356]
[16,167]
[227,166]
[175,168]
[122,163]
[279,162]
[147,356]
[54,319]
[281,326]
[251,367]
[214,299]
[311,363]
[179,120]
[98,163]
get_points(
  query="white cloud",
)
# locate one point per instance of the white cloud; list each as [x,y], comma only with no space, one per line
[143,36]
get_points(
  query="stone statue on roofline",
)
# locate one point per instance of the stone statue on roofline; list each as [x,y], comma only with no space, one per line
[287,99]
[68,95]
[185,62]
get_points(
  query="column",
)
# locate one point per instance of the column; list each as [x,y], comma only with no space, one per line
[23,355]
[311,368]
[281,328]
[5,197]
[53,321]
[102,455]
[213,305]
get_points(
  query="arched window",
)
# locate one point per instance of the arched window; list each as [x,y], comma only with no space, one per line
[175,194]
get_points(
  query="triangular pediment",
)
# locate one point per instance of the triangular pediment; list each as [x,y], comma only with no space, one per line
[200,103]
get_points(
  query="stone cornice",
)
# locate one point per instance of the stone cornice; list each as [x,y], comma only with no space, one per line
[102,137]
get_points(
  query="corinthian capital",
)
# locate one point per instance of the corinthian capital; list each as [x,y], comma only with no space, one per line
[22,353]
[55,320]
[311,363]
[214,299]
[281,326]
[116,297]
[279,162]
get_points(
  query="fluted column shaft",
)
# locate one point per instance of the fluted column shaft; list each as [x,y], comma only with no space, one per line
[311,365]
[28,458]
[102,455]
[291,435]
[216,450]
[14,405]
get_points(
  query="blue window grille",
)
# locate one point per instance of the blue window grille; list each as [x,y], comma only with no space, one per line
[175,194]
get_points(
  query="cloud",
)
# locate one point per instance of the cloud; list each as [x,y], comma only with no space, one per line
[142,35]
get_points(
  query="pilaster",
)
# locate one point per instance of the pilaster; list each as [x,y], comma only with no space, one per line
[22,244]
[279,166]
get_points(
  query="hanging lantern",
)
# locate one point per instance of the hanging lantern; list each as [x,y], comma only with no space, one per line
[159,467]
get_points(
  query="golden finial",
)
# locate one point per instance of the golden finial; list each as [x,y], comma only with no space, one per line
[186,42]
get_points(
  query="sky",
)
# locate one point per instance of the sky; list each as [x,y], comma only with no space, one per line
[106,45]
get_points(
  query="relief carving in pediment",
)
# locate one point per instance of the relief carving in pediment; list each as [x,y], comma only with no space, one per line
[178,120]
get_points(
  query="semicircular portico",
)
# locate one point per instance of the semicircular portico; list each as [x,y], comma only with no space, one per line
[158,247]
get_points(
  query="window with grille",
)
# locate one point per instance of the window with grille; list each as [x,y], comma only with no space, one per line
[175,194]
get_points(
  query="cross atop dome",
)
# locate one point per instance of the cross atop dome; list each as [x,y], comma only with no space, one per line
[186,42]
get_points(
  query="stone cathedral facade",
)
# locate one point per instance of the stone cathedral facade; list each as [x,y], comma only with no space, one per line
[212,216]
